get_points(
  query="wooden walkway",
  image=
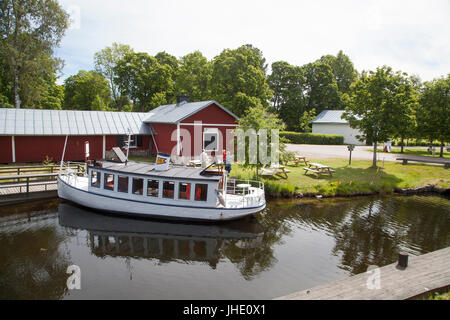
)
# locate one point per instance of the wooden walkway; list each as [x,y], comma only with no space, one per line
[39,187]
[424,273]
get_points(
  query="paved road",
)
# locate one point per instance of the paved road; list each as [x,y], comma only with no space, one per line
[327,152]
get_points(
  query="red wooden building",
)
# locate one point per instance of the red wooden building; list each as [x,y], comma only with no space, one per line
[32,135]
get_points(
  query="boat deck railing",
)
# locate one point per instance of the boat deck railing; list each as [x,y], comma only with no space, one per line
[244,193]
[73,169]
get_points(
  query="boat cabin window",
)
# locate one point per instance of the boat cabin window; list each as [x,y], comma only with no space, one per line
[138,185]
[95,179]
[152,188]
[168,189]
[108,184]
[122,186]
[184,191]
[201,192]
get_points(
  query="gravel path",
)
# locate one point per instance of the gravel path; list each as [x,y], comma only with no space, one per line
[327,152]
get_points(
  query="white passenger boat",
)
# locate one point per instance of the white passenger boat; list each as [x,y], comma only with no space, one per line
[161,190]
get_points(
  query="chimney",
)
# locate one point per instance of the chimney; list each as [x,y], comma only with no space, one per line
[182,98]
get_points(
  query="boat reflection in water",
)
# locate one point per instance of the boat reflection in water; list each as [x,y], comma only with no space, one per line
[124,237]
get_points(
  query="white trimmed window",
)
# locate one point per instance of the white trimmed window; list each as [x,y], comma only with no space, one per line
[211,139]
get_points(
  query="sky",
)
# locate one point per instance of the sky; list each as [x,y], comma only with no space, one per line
[411,36]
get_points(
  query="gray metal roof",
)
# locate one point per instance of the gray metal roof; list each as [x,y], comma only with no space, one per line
[173,113]
[71,122]
[331,117]
[175,172]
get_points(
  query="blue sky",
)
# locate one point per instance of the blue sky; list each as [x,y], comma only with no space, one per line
[412,36]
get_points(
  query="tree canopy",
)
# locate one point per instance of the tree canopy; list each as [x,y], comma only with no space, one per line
[87,90]
[239,80]
[377,104]
[343,70]
[300,89]
[144,80]
[193,77]
[29,31]
[105,62]
[433,112]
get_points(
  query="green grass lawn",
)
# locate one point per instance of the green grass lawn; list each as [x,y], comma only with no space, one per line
[358,178]
[416,152]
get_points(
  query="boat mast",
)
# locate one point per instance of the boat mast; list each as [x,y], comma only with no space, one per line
[128,144]
[64,152]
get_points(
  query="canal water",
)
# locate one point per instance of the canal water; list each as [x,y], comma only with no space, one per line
[290,246]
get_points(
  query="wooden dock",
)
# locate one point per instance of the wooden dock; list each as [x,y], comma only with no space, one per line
[424,273]
[30,183]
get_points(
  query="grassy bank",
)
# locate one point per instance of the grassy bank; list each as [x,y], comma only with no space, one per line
[356,179]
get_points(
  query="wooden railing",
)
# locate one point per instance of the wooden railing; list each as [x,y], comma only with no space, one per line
[21,179]
[20,170]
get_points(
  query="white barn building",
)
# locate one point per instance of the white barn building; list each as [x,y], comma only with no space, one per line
[331,122]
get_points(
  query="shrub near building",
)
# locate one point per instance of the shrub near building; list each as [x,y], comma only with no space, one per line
[312,138]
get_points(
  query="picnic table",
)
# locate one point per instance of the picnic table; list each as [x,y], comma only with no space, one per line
[318,169]
[299,159]
[244,186]
[275,169]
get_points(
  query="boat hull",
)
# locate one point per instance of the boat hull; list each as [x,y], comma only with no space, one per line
[116,205]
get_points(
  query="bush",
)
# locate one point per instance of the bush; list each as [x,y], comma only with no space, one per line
[312,138]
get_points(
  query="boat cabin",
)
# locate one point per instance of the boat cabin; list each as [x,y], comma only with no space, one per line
[185,186]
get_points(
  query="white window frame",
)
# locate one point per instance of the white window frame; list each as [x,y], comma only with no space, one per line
[211,131]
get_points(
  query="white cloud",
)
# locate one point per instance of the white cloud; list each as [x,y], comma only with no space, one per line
[412,36]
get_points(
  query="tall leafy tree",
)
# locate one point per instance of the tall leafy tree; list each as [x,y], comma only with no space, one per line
[300,89]
[305,120]
[194,76]
[29,30]
[289,100]
[239,80]
[53,97]
[407,115]
[377,103]
[105,61]
[433,113]
[343,70]
[321,88]
[87,90]
[168,59]
[257,118]
[144,80]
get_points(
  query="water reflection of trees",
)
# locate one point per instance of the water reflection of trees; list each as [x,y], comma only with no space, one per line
[247,243]
[371,231]
[32,266]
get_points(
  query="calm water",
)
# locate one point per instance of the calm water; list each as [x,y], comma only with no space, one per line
[289,247]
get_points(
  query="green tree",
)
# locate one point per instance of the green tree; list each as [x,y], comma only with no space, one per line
[433,113]
[258,118]
[105,61]
[193,77]
[305,120]
[377,103]
[321,88]
[168,59]
[300,89]
[53,97]
[29,30]
[239,80]
[343,70]
[144,80]
[87,90]
[406,116]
